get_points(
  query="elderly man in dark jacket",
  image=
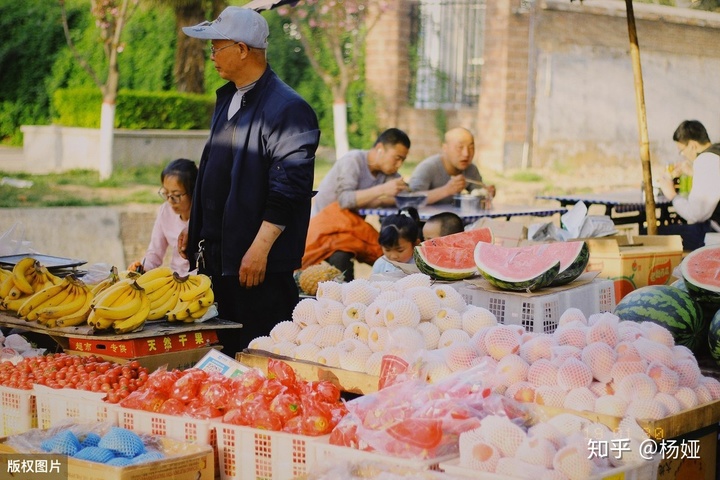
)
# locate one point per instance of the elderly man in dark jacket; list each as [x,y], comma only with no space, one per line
[251,205]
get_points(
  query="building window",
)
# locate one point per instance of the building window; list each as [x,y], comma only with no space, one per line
[448,53]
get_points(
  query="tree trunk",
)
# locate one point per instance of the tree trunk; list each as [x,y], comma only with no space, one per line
[189,68]
[342,146]
[107,120]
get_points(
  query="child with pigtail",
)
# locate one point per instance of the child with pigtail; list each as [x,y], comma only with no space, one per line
[399,234]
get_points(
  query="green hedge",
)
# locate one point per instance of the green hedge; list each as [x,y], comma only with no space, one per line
[80,107]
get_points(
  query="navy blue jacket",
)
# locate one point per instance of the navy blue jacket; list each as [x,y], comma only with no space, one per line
[275,138]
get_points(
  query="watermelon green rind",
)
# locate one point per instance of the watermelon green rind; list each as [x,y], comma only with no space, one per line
[541,280]
[669,307]
[466,239]
[440,272]
[704,260]
[714,337]
[576,268]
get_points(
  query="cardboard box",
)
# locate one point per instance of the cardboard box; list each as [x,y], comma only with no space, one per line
[186,461]
[140,347]
[505,232]
[181,360]
[635,262]
[216,362]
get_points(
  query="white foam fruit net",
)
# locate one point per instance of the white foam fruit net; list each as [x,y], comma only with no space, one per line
[404,341]
[560,353]
[666,380]
[658,333]
[622,369]
[427,302]
[636,386]
[681,352]
[571,335]
[611,405]
[450,298]
[474,318]
[570,315]
[355,312]
[285,331]
[647,409]
[353,355]
[329,335]
[329,356]
[286,349]
[550,395]
[600,357]
[574,374]
[542,372]
[307,352]
[374,363]
[521,391]
[573,462]
[501,341]
[513,367]
[476,452]
[629,331]
[452,336]
[264,343]
[460,356]
[413,280]
[358,290]
[580,399]
[502,433]
[307,334]
[537,348]
[357,331]
[431,334]
[329,312]
[653,351]
[602,388]
[687,397]
[703,394]
[377,338]
[626,351]
[516,468]
[536,451]
[688,371]
[604,330]
[330,290]
[447,318]
[304,312]
[672,405]
[548,432]
[713,386]
[478,340]
[374,313]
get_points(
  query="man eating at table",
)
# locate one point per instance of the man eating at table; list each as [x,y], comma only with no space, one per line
[450,172]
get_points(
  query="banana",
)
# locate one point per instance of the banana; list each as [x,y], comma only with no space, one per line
[199,284]
[50,276]
[55,301]
[111,279]
[13,304]
[160,295]
[38,298]
[199,314]
[15,292]
[112,293]
[6,285]
[179,313]
[136,321]
[156,284]
[101,323]
[20,274]
[36,280]
[158,310]
[77,318]
[66,308]
[207,299]
[154,274]
[124,307]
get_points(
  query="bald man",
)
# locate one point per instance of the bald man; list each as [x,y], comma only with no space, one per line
[444,175]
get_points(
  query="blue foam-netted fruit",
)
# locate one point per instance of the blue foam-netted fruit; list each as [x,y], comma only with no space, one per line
[91,440]
[123,442]
[95,454]
[64,443]
[119,462]
[146,457]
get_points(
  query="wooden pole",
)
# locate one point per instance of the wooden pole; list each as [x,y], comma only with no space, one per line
[642,121]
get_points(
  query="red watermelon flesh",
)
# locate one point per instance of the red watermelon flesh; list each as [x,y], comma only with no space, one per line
[445,263]
[517,268]
[701,271]
[467,239]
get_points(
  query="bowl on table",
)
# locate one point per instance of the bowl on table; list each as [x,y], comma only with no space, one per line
[410,199]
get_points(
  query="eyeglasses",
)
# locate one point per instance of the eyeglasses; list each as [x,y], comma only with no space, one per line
[214,51]
[171,198]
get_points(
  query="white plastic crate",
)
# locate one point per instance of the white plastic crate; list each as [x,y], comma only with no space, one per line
[647,470]
[325,452]
[185,429]
[18,413]
[55,405]
[541,313]
[247,453]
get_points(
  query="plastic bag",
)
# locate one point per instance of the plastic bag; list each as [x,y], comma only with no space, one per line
[12,241]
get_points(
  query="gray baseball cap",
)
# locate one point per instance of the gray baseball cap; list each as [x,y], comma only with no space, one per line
[234,23]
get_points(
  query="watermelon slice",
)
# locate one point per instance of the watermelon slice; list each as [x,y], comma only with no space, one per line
[573,257]
[445,263]
[701,272]
[516,268]
[467,239]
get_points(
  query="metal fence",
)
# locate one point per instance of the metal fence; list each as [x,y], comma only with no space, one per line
[448,59]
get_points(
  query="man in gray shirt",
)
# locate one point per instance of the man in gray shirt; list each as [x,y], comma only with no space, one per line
[446,174]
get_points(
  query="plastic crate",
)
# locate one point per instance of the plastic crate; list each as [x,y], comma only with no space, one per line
[18,413]
[541,313]
[325,452]
[55,405]
[185,429]
[644,471]
[247,453]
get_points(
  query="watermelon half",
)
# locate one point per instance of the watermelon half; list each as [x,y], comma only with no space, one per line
[467,239]
[445,263]
[573,258]
[668,306]
[701,272]
[516,268]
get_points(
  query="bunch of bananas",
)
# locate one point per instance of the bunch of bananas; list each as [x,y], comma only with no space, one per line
[178,298]
[27,277]
[123,306]
[66,304]
[111,279]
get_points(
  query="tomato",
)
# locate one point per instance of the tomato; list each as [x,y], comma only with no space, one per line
[345,435]
[281,371]
[286,405]
[267,420]
[214,395]
[233,416]
[317,417]
[271,388]
[419,432]
[248,382]
[197,409]
[328,391]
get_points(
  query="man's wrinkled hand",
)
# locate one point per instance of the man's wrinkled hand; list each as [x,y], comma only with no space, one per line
[252,268]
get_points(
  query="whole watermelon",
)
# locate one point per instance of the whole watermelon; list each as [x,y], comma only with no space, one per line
[668,306]
[714,337]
